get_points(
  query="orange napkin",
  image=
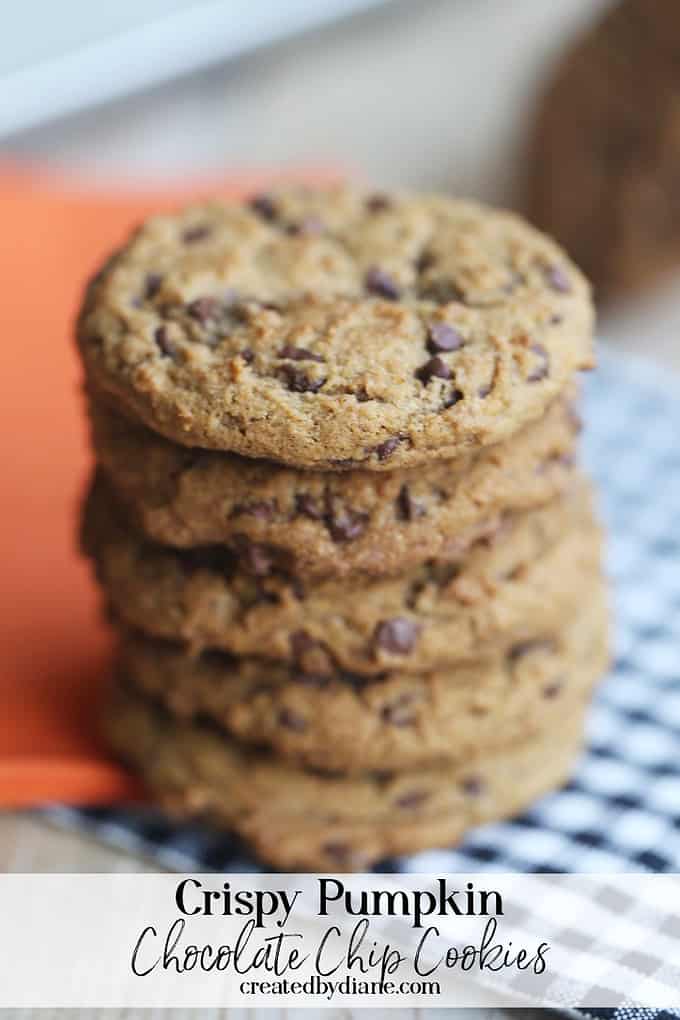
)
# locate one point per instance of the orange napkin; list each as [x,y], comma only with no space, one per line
[55,648]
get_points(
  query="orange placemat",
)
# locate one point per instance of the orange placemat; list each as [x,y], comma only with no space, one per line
[55,647]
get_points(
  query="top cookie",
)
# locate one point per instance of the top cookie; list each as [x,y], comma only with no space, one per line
[337,328]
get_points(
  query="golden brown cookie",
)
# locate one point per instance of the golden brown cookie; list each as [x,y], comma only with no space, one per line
[532,574]
[322,523]
[350,723]
[297,820]
[337,329]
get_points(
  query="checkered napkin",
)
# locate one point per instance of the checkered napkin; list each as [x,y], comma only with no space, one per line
[621,811]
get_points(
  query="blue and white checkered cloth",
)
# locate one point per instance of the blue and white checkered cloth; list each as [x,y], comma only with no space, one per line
[621,811]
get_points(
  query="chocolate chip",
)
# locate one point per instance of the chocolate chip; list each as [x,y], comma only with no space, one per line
[301,642]
[292,721]
[298,382]
[454,397]
[310,226]
[196,233]
[522,648]
[339,853]
[204,309]
[399,712]
[557,279]
[298,354]
[411,800]
[247,355]
[262,509]
[311,679]
[434,368]
[264,206]
[152,285]
[442,337]
[380,283]
[441,291]
[551,691]
[165,343]
[425,261]
[378,203]
[308,506]
[397,636]
[259,559]
[543,367]
[472,786]
[344,523]
[408,509]
[384,450]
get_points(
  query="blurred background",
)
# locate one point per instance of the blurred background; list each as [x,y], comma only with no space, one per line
[423,93]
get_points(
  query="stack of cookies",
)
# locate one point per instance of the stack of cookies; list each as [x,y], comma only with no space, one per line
[337,518]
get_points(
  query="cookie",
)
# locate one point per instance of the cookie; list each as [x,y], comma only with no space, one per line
[332,524]
[297,820]
[396,720]
[532,574]
[337,329]
[605,154]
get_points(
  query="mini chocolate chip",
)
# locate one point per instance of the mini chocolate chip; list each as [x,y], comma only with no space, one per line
[555,320]
[522,648]
[298,354]
[399,712]
[262,509]
[397,636]
[378,202]
[411,800]
[298,382]
[165,343]
[152,285]
[552,690]
[557,279]
[264,206]
[484,391]
[197,233]
[204,309]
[247,355]
[442,337]
[384,450]
[379,282]
[310,226]
[344,523]
[407,507]
[441,291]
[453,398]
[543,368]
[308,506]
[434,368]
[292,721]
[472,786]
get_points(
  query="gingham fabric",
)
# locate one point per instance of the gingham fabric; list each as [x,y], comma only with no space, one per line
[621,811]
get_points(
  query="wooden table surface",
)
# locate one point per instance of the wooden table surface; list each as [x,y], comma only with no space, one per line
[434,94]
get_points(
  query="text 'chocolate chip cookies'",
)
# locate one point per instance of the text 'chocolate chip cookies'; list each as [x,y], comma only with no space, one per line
[338,517]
